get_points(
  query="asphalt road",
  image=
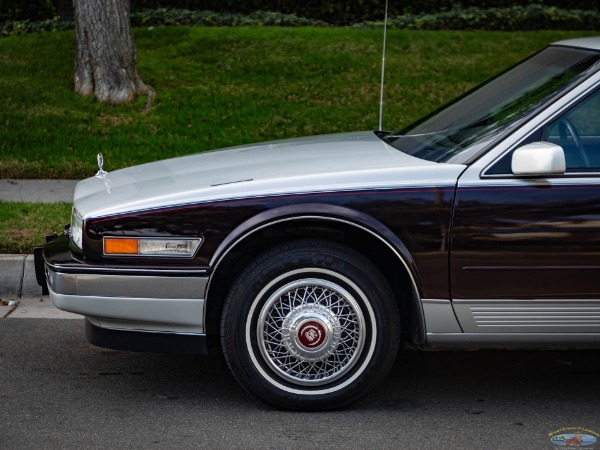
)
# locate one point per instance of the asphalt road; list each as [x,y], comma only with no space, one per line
[57,391]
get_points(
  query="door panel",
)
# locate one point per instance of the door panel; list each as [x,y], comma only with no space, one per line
[525,240]
[525,257]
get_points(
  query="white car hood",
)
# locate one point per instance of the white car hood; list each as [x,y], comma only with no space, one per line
[320,163]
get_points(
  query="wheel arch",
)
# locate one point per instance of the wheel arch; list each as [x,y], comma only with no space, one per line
[349,227]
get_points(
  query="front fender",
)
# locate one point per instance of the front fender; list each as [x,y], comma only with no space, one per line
[324,212]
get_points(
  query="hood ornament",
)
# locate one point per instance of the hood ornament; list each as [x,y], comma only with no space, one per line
[102,173]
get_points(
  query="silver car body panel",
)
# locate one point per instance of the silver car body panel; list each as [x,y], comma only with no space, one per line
[592,43]
[529,316]
[439,316]
[333,163]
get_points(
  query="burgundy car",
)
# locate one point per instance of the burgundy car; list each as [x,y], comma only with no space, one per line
[311,260]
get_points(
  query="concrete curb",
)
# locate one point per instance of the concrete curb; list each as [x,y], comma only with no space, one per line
[17,277]
[17,280]
[20,295]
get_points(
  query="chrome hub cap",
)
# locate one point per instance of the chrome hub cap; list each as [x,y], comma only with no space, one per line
[311,331]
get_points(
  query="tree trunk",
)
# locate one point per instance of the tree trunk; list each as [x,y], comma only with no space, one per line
[106,62]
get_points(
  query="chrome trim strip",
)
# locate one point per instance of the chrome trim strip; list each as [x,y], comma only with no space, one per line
[513,340]
[563,301]
[126,285]
[567,174]
[529,316]
[125,270]
[529,268]
[517,184]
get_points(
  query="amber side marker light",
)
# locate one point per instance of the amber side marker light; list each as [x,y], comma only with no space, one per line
[178,247]
[120,246]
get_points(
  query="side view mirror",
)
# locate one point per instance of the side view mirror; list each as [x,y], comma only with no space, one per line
[539,158]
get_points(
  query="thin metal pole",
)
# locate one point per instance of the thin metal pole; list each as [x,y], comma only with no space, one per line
[383,67]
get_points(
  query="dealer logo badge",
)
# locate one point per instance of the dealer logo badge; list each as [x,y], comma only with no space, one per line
[574,437]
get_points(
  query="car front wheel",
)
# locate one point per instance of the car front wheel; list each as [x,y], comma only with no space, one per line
[310,325]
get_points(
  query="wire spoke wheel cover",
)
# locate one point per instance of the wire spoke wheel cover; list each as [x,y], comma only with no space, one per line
[311,331]
[310,325]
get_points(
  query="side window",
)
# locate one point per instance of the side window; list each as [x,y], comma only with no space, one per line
[578,133]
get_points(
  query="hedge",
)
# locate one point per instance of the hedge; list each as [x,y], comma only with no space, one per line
[517,18]
[532,17]
[337,12]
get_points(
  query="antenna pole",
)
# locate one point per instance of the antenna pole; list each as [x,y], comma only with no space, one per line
[383,67]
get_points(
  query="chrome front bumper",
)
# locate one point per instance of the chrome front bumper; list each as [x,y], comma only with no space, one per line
[123,298]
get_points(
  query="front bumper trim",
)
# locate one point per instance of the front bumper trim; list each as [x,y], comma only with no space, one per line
[144,303]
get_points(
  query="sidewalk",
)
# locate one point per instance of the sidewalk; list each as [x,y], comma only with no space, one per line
[37,191]
[20,295]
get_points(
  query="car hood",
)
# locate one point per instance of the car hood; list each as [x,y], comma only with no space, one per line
[312,164]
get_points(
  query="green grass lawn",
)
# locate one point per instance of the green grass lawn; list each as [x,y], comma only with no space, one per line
[24,225]
[219,87]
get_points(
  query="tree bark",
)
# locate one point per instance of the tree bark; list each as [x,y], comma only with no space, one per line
[106,61]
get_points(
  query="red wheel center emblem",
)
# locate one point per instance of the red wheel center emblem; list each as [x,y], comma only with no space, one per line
[311,334]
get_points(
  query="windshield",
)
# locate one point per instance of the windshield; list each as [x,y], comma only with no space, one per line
[461,129]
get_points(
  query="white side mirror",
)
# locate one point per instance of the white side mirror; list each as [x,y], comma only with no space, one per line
[539,158]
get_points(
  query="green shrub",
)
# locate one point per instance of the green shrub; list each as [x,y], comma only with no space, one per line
[344,12]
[521,18]
[516,18]
[26,9]
[337,12]
[168,17]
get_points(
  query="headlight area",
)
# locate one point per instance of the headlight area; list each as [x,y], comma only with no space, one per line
[160,247]
[76,230]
